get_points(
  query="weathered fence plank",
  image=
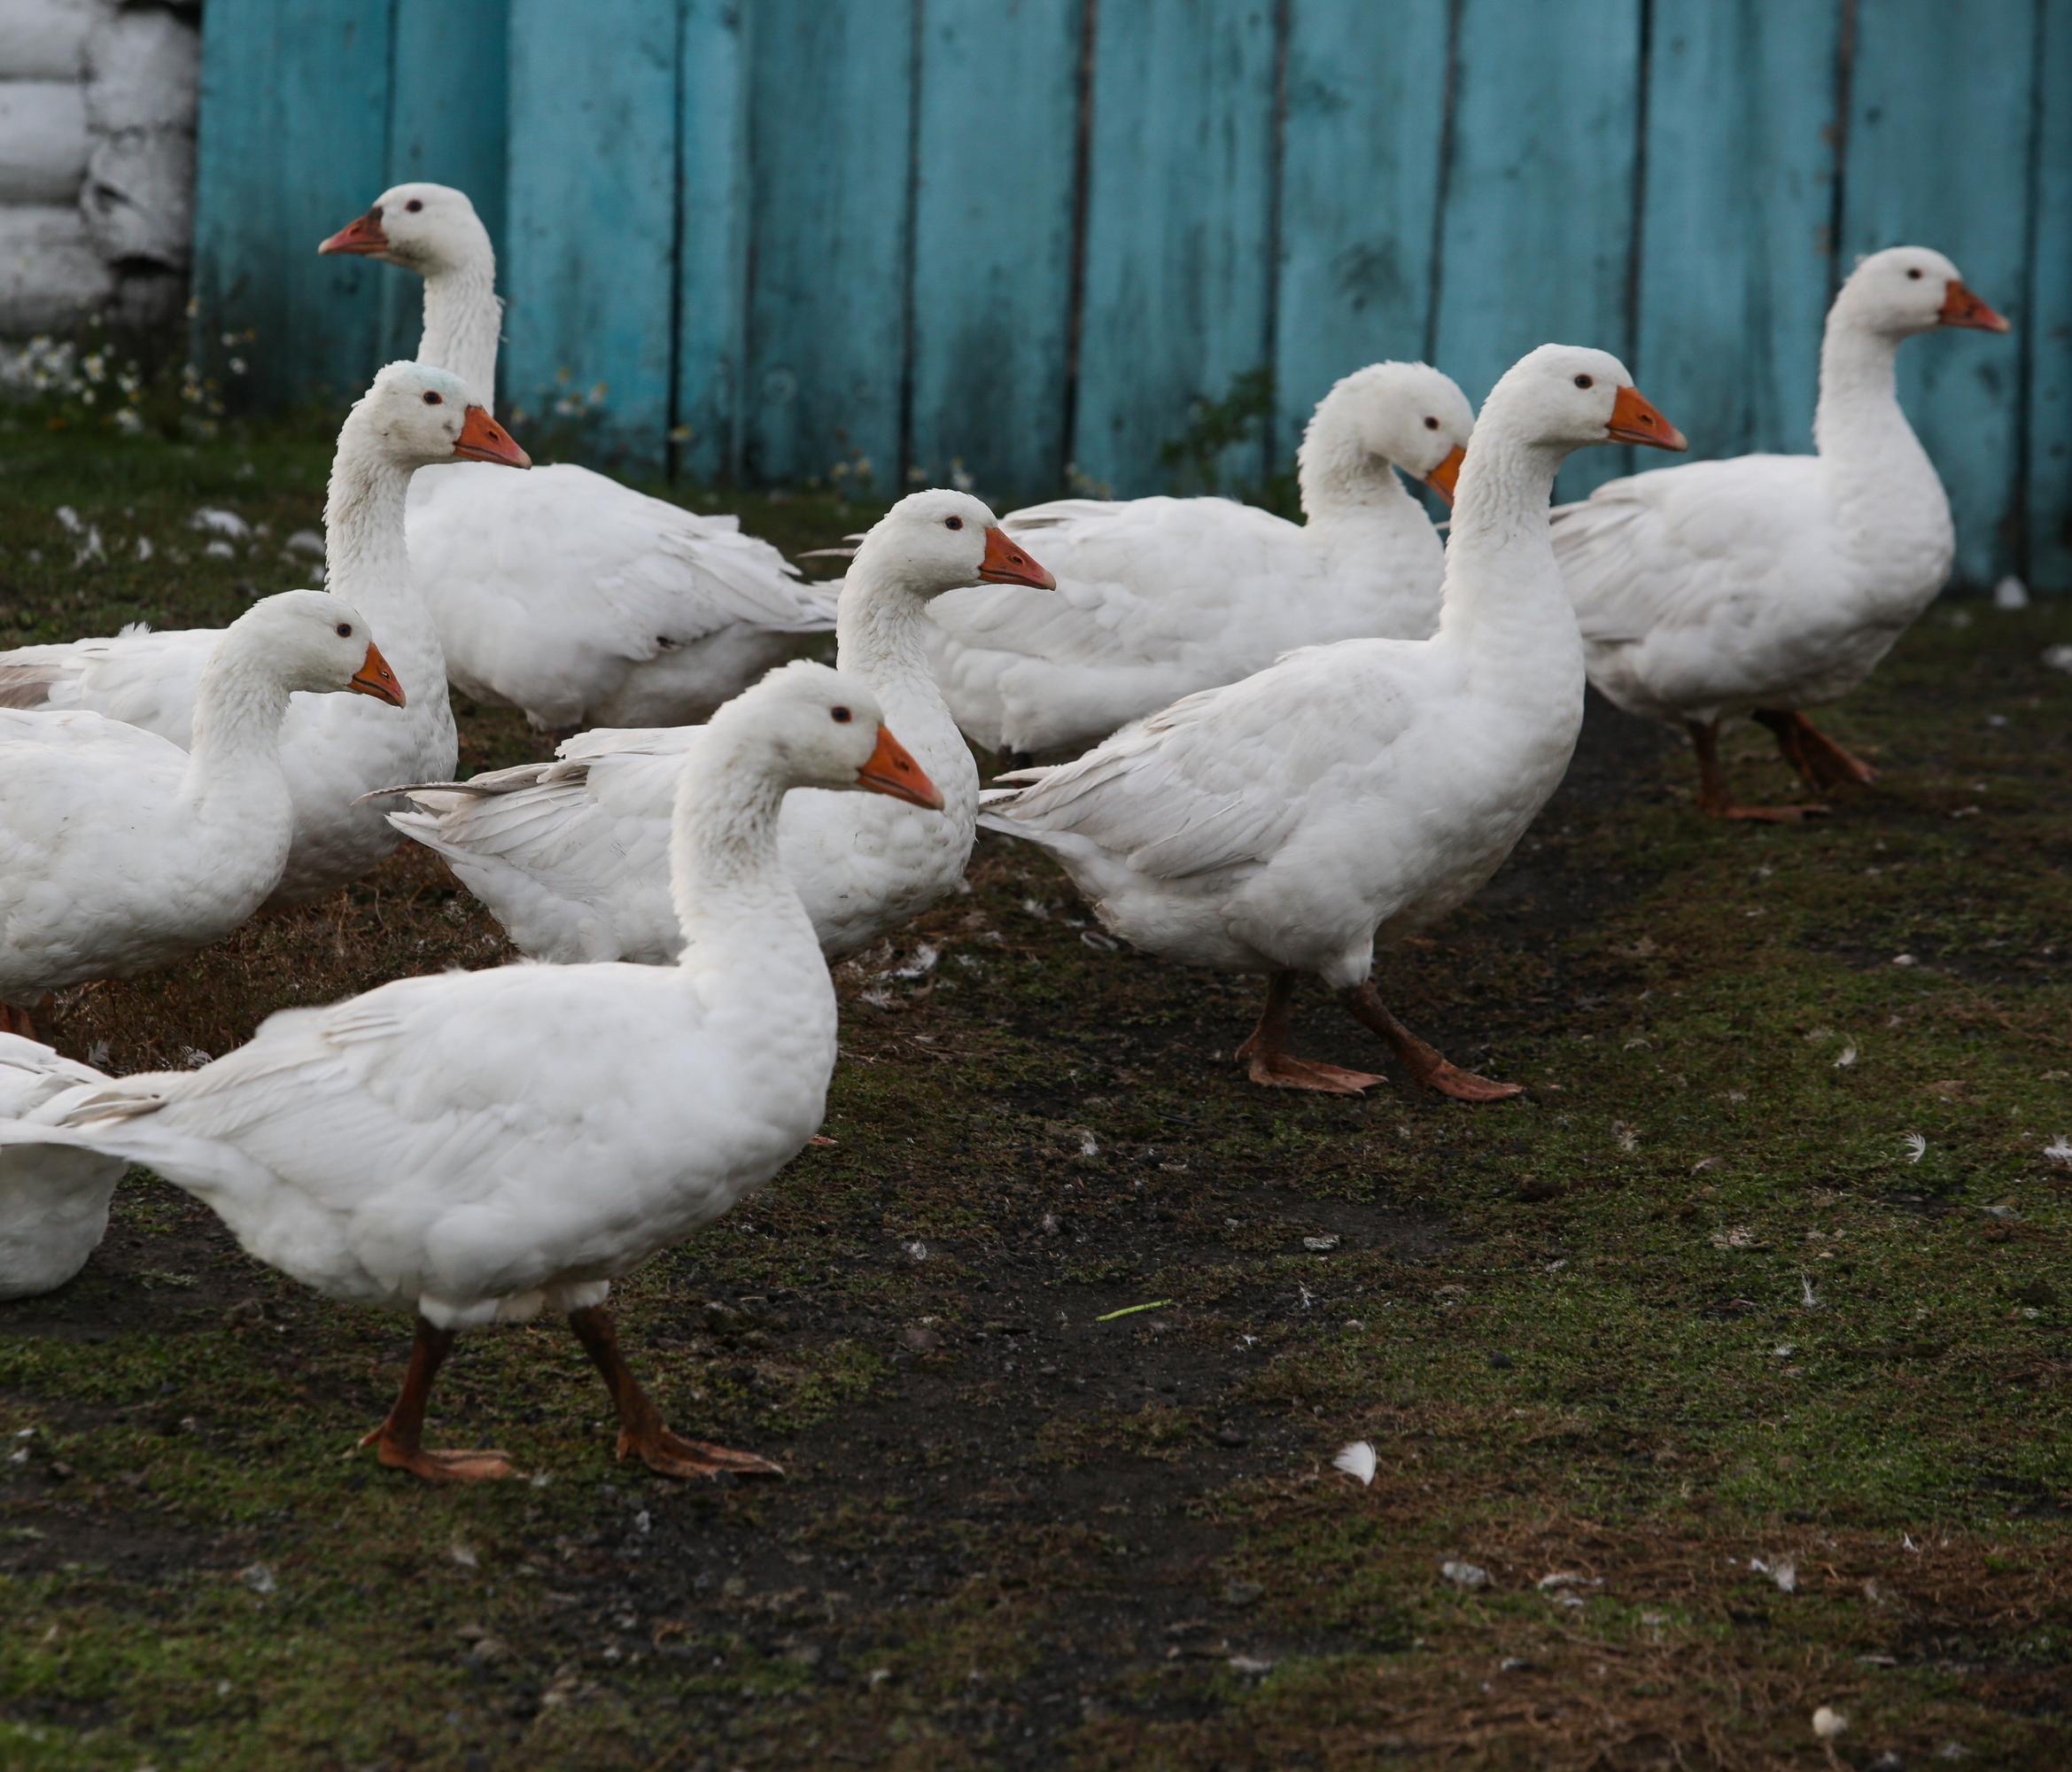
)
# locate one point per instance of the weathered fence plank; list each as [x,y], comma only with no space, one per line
[833,91]
[294,110]
[1537,240]
[1735,257]
[1938,156]
[994,167]
[1178,229]
[448,104]
[1363,132]
[589,258]
[712,225]
[2048,488]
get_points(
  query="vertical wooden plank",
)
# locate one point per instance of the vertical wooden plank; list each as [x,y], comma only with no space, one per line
[1938,156]
[1178,230]
[1362,138]
[992,255]
[832,87]
[294,107]
[2049,478]
[1537,230]
[713,228]
[591,244]
[1735,259]
[448,96]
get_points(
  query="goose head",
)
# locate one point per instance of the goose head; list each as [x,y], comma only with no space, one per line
[315,641]
[1407,414]
[937,540]
[1568,396]
[424,228]
[416,416]
[812,726]
[1905,290]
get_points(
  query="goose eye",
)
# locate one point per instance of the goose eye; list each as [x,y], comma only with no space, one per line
[344,629]
[433,400]
[842,716]
[953,523]
[1583,381]
[1914,272]
[1431,424]
[415,205]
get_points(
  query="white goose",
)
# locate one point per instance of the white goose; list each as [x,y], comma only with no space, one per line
[570,596]
[53,1201]
[1281,824]
[122,852]
[334,751]
[1158,597]
[482,1146]
[1771,583]
[571,856]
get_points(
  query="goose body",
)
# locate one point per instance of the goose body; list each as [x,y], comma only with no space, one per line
[1159,597]
[571,856]
[1359,791]
[1768,584]
[479,1145]
[121,852]
[333,750]
[570,596]
[53,1199]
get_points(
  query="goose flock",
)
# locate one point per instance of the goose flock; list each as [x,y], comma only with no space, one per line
[1296,745]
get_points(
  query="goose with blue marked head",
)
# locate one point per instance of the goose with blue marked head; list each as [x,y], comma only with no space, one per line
[571,856]
[334,748]
[570,596]
[1765,585]
[482,1146]
[1158,597]
[1355,793]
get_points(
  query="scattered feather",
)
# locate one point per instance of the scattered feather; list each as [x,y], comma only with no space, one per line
[258,1577]
[917,1250]
[2060,1149]
[1356,1460]
[1089,1146]
[1806,1298]
[1783,1572]
[1827,1721]
[308,543]
[1470,1575]
[2011,594]
[1917,1147]
[2058,657]
[216,522]
[1846,1058]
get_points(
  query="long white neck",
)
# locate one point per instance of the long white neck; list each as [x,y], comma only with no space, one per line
[463,317]
[733,897]
[1503,586]
[234,753]
[368,562]
[880,629]
[1868,449]
[1340,478]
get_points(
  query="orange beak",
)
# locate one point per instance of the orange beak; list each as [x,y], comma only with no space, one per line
[1441,480]
[1962,308]
[362,236]
[889,770]
[1007,563]
[484,439]
[374,678]
[1635,420]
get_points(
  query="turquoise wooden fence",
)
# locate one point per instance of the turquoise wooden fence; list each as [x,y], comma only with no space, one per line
[1033,241]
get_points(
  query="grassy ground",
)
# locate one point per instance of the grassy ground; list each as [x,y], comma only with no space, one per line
[1691,1314]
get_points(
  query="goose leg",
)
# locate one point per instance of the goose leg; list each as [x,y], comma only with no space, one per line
[1424,1062]
[1717,801]
[13,1021]
[641,1429]
[1823,762]
[397,1441]
[1268,1060]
